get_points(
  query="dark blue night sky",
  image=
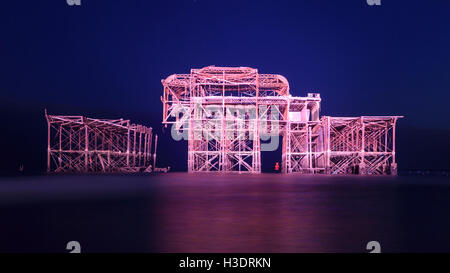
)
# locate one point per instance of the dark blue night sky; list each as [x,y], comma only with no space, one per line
[107,58]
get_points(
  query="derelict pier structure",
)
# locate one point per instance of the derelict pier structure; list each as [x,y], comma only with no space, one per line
[229,115]
[82,144]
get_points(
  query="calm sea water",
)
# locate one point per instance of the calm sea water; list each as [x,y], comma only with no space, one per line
[180,212]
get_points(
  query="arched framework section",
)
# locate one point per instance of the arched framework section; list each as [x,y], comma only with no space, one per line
[229,115]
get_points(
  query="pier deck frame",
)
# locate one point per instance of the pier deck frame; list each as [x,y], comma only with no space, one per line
[82,144]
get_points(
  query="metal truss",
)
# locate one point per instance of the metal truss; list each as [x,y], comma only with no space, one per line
[225,112]
[360,145]
[81,144]
[221,140]
[302,150]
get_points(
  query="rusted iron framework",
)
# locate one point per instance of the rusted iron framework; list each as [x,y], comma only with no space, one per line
[225,112]
[81,144]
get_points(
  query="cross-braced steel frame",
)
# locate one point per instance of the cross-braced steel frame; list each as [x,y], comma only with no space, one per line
[81,144]
[225,112]
[360,145]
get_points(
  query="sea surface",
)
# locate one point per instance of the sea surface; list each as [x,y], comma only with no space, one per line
[181,212]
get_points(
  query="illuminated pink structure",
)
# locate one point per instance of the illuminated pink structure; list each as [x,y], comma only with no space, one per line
[81,144]
[225,112]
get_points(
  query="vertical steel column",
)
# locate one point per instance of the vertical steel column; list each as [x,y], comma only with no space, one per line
[128,144]
[144,157]
[223,154]
[150,143]
[86,147]
[134,146]
[287,154]
[60,146]
[310,149]
[191,134]
[48,142]
[394,163]
[140,144]
[256,149]
[154,154]
[328,145]
[362,164]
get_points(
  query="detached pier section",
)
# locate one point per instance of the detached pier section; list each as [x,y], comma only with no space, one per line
[82,144]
